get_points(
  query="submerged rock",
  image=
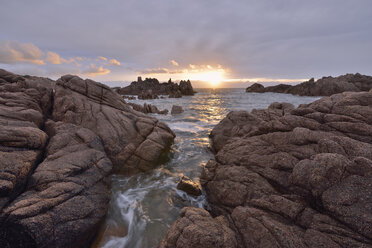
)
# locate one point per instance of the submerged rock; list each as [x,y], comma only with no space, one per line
[287,177]
[189,186]
[176,110]
[325,86]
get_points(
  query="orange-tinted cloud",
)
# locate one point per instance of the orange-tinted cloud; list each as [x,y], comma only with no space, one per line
[102,58]
[175,63]
[12,52]
[94,70]
[114,62]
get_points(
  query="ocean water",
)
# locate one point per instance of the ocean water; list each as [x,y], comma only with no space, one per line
[144,206]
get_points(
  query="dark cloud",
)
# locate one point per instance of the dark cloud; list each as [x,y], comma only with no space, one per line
[262,38]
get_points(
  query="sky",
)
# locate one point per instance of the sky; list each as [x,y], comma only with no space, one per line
[219,43]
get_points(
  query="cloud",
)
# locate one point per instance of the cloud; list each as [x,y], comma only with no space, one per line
[94,70]
[155,71]
[114,62]
[102,58]
[53,58]
[13,52]
[173,62]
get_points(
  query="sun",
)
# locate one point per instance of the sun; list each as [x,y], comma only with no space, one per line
[214,78]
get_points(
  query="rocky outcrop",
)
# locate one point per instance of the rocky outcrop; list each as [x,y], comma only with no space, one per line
[145,95]
[148,109]
[140,87]
[287,177]
[176,110]
[133,141]
[325,86]
[59,143]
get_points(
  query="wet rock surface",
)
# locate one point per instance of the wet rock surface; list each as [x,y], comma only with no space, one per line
[59,143]
[325,86]
[189,186]
[176,110]
[286,177]
[142,87]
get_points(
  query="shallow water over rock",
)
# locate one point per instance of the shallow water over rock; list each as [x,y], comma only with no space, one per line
[145,205]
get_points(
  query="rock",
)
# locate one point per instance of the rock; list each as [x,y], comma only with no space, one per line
[169,88]
[325,86]
[147,95]
[197,229]
[148,108]
[175,94]
[133,141]
[186,88]
[176,110]
[59,143]
[68,193]
[189,186]
[256,87]
[129,97]
[286,177]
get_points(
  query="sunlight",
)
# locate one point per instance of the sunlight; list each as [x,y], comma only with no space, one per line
[214,78]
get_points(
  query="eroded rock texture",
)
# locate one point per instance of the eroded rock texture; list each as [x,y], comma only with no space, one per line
[325,86]
[301,177]
[59,143]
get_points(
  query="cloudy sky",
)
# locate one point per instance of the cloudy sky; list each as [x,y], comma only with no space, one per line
[210,40]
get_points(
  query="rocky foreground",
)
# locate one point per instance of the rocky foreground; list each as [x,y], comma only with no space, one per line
[286,177]
[59,143]
[150,88]
[325,86]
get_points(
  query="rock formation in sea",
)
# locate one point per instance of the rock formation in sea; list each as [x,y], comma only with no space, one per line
[141,87]
[176,110]
[148,109]
[59,143]
[325,86]
[287,177]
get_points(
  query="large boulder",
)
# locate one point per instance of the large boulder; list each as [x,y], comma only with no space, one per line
[301,177]
[66,197]
[133,141]
[325,86]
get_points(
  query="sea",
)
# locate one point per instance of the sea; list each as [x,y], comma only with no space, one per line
[144,206]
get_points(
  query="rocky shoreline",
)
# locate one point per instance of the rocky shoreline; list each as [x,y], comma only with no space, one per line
[59,143]
[325,86]
[287,177]
[281,177]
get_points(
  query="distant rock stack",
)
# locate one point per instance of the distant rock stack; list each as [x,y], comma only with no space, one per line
[142,87]
[325,86]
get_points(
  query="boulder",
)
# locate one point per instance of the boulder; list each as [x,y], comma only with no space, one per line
[176,110]
[189,186]
[294,177]
[133,141]
[175,94]
[325,86]
[197,228]
[148,108]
